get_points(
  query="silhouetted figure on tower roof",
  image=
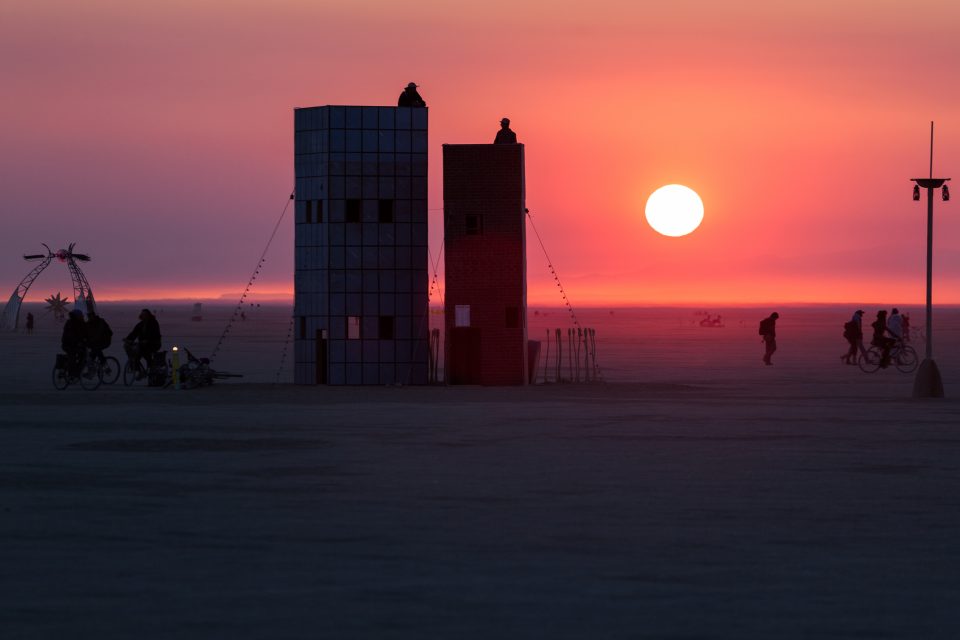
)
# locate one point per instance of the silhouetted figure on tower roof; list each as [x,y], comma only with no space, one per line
[505,135]
[411,97]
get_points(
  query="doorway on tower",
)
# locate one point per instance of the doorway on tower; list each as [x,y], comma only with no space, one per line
[464,367]
[321,356]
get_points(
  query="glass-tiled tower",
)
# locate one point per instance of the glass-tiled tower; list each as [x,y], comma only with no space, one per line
[360,289]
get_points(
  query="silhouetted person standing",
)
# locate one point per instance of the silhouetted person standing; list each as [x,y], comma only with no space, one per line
[29,323]
[505,135]
[768,329]
[411,97]
[853,332]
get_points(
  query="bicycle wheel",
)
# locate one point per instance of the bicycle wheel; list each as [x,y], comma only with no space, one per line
[870,360]
[906,360]
[111,370]
[90,375]
[60,379]
[129,373]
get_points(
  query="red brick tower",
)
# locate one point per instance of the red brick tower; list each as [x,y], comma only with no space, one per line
[486,265]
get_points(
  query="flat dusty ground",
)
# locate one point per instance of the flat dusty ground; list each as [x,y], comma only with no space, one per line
[796,501]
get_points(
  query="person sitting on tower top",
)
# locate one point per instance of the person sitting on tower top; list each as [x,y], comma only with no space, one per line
[505,135]
[410,97]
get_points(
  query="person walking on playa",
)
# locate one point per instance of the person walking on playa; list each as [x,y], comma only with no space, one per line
[853,332]
[768,329]
[29,323]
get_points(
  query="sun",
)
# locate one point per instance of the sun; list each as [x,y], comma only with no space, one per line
[674,210]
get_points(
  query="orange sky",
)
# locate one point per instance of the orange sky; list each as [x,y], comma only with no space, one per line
[159,137]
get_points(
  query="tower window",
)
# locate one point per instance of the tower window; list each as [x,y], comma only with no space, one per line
[353,210]
[308,211]
[461,315]
[319,211]
[386,327]
[512,317]
[474,225]
[303,327]
[353,327]
[386,211]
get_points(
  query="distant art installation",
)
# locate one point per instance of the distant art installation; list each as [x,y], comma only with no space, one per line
[82,294]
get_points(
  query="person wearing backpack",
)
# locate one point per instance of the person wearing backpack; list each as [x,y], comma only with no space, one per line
[768,329]
[99,335]
[853,333]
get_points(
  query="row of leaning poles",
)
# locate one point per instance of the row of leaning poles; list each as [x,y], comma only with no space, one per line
[579,363]
[82,293]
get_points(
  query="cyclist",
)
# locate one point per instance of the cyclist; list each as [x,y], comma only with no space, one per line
[99,335]
[74,342]
[880,338]
[143,341]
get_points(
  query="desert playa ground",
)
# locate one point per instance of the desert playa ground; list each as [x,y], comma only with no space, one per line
[692,494]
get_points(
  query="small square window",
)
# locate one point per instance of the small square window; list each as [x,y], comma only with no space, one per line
[386,211]
[474,225]
[353,327]
[386,327]
[353,210]
[461,315]
[513,317]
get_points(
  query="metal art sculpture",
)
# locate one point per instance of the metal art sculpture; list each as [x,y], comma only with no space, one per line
[57,306]
[82,294]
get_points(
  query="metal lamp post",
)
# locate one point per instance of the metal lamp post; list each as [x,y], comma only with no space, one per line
[928,383]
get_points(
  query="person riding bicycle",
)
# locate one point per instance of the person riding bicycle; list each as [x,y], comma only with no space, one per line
[880,338]
[143,341]
[99,335]
[74,342]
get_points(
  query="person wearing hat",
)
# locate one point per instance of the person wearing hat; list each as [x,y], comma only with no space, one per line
[853,332]
[74,342]
[505,135]
[411,97]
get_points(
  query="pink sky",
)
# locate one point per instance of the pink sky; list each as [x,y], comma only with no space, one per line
[159,137]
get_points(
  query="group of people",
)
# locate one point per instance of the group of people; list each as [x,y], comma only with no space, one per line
[410,97]
[95,335]
[888,331]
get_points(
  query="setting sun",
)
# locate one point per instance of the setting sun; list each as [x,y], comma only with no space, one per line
[674,210]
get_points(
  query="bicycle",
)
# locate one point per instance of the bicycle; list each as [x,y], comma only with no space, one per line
[108,365]
[197,372]
[157,372]
[902,356]
[90,374]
